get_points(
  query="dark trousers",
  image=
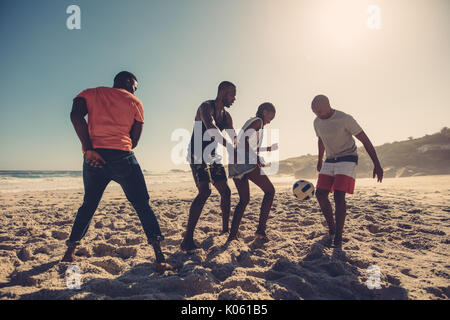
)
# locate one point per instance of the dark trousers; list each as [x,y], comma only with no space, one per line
[123,168]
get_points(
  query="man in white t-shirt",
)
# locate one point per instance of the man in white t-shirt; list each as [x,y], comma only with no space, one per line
[335,130]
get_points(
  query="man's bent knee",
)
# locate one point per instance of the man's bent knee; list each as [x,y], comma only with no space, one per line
[270,192]
[204,194]
[226,193]
[244,201]
[322,194]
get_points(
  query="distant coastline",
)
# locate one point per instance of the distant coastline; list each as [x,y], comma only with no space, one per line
[428,155]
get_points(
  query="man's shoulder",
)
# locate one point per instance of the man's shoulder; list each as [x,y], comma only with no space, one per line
[102,89]
[206,104]
[90,90]
[342,114]
[87,93]
[96,90]
[125,94]
[136,100]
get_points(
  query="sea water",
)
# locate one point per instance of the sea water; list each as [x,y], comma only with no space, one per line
[33,180]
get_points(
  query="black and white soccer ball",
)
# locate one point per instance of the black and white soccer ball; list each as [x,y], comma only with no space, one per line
[303,190]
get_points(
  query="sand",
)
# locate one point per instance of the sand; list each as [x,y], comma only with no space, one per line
[401,227]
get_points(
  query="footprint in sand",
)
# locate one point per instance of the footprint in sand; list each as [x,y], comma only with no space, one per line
[131,241]
[415,244]
[393,280]
[112,265]
[307,222]
[377,249]
[404,226]
[103,249]
[83,252]
[116,241]
[126,252]
[25,254]
[440,292]
[43,250]
[249,284]
[60,235]
[23,232]
[408,273]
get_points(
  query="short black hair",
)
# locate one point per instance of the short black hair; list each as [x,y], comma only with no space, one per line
[265,106]
[225,85]
[123,76]
[319,99]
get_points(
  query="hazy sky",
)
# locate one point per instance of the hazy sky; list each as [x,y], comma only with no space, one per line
[394,81]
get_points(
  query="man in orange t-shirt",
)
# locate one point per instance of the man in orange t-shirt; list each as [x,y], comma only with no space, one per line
[115,120]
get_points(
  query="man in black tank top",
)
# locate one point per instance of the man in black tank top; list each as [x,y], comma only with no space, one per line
[207,168]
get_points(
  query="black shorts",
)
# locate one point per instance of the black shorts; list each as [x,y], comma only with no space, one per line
[208,172]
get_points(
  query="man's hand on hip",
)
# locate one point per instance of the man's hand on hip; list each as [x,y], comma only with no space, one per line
[94,159]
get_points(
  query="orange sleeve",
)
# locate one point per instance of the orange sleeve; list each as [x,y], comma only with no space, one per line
[139,115]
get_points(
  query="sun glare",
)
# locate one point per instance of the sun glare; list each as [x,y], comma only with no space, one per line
[340,24]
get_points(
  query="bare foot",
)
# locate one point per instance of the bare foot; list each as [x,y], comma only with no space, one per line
[327,240]
[160,267]
[188,245]
[338,242]
[69,256]
[261,236]
[230,238]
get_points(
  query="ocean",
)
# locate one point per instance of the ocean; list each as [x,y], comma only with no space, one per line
[36,180]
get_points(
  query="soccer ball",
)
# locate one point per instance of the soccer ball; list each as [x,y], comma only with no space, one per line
[303,190]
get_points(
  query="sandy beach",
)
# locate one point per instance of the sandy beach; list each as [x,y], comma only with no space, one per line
[400,228]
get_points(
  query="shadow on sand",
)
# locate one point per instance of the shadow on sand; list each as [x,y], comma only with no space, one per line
[335,276]
[323,273]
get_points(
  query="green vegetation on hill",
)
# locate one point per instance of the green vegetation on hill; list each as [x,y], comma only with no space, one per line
[429,155]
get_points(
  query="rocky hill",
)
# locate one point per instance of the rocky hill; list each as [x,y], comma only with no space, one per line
[428,155]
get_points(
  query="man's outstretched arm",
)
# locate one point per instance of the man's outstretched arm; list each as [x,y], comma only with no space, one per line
[135,133]
[79,111]
[377,171]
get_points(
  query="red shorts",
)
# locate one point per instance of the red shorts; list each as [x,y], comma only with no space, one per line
[337,176]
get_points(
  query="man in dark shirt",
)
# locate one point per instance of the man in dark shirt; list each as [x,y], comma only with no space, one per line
[206,169]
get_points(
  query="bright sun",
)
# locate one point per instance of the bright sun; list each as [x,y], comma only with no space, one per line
[340,24]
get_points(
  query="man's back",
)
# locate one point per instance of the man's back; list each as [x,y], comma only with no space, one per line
[111,114]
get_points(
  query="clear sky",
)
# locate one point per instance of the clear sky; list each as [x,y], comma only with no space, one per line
[393,80]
